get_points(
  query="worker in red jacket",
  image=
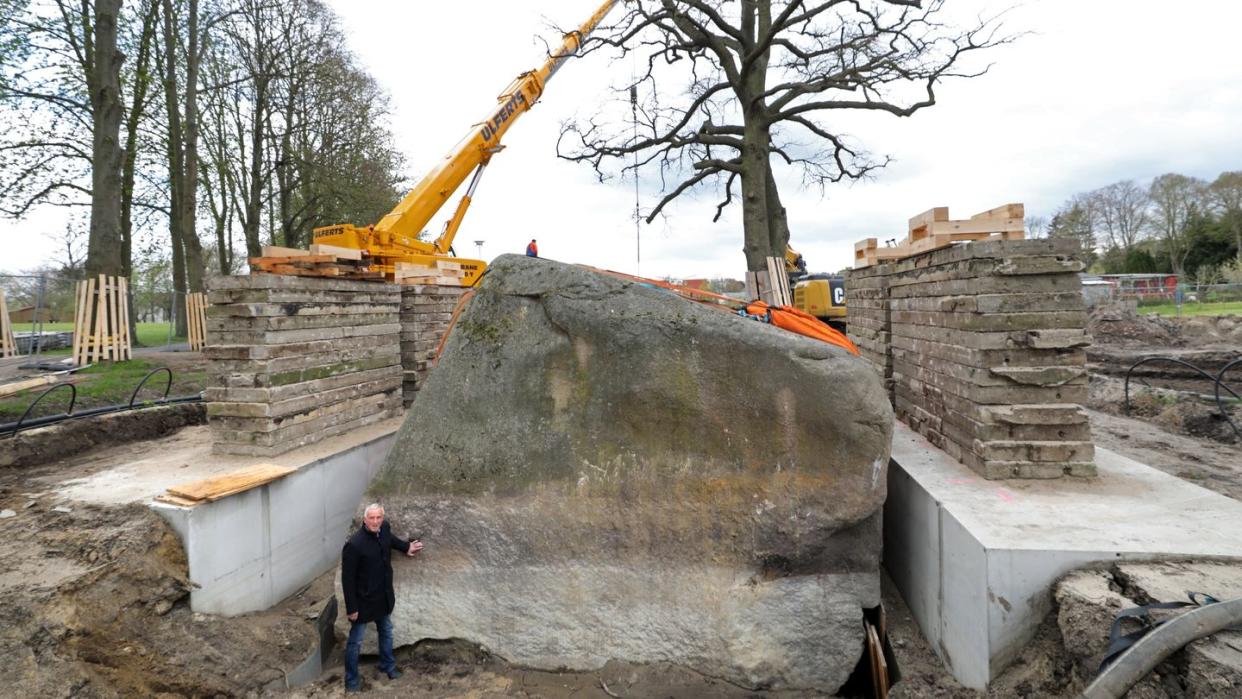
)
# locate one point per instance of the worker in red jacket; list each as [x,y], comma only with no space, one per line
[532,250]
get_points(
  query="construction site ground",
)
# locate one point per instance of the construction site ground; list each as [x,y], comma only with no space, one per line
[94,595]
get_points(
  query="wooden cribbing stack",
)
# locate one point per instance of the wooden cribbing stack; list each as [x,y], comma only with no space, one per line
[8,346]
[441,273]
[101,321]
[933,229]
[196,320]
[319,261]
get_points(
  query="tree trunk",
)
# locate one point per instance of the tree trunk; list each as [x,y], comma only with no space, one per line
[195,267]
[778,222]
[103,255]
[254,197]
[176,170]
[142,82]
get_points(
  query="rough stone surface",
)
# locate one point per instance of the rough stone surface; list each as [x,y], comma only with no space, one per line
[603,470]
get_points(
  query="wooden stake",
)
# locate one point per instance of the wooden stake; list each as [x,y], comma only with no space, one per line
[8,344]
[126,342]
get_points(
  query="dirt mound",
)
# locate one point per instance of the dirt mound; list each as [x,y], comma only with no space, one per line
[1176,411]
[93,604]
[1119,323]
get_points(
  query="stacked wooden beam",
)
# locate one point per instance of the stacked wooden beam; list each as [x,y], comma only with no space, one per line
[437,273]
[319,261]
[987,354]
[297,360]
[425,314]
[933,230]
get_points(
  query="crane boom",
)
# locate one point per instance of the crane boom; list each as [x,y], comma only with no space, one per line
[395,237]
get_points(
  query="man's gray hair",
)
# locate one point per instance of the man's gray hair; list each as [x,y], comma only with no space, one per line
[373,506]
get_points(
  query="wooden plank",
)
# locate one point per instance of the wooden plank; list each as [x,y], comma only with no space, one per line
[9,389]
[291,260]
[216,487]
[79,324]
[438,281]
[335,250]
[990,225]
[114,346]
[191,319]
[1007,211]
[96,306]
[865,244]
[277,251]
[126,341]
[8,344]
[939,213]
[448,264]
[176,500]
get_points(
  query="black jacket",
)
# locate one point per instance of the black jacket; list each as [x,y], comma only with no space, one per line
[366,572]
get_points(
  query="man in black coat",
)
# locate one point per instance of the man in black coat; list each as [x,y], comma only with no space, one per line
[366,578]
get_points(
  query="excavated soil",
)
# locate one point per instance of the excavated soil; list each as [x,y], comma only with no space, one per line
[93,603]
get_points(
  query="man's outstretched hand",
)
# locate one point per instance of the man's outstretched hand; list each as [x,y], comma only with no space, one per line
[415,547]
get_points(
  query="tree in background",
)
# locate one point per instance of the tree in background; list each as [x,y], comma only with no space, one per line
[1076,221]
[1121,213]
[1175,200]
[1225,193]
[726,88]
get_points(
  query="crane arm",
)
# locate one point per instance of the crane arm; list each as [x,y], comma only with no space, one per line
[410,216]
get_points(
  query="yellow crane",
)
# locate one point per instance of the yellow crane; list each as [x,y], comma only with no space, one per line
[395,237]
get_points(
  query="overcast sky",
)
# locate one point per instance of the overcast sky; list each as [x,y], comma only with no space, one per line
[1100,90]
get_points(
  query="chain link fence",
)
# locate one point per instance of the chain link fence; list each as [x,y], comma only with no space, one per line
[42,309]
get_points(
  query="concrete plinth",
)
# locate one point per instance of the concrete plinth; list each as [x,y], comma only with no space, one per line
[975,559]
[249,551]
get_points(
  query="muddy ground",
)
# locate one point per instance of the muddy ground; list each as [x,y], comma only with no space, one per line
[94,600]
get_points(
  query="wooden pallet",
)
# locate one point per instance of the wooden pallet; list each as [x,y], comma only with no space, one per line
[933,229]
[101,321]
[196,320]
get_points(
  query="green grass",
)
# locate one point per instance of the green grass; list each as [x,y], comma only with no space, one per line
[1219,308]
[104,384]
[147,334]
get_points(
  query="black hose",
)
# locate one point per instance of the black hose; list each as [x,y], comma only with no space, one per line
[12,428]
[1162,642]
[1218,382]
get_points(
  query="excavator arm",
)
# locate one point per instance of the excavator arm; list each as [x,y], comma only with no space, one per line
[395,237]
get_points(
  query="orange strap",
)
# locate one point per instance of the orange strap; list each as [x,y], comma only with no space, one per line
[801,322]
[461,304]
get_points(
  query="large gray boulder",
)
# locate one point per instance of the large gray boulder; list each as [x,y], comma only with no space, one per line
[600,469]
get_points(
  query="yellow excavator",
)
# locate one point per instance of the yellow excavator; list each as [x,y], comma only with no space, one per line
[395,237]
[821,295]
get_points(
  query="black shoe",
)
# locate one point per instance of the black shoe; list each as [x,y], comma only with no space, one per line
[393,674]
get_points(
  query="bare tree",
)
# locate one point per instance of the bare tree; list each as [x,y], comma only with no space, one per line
[1121,212]
[1175,199]
[1226,193]
[727,86]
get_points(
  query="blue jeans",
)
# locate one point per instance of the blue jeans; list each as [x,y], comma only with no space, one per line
[353,647]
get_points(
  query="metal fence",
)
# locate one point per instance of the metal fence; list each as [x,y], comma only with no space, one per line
[1194,299]
[42,306]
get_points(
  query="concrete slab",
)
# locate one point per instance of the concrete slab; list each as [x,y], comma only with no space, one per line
[249,551]
[976,559]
